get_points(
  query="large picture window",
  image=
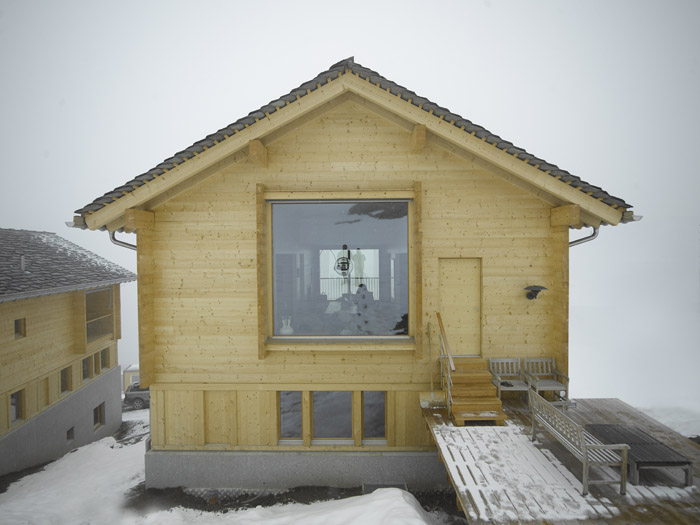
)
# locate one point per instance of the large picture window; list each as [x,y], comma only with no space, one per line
[340,268]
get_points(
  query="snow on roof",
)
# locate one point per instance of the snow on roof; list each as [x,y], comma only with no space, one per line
[35,263]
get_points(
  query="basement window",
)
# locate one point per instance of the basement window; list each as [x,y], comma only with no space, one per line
[20,328]
[332,418]
[340,268]
[374,417]
[98,416]
[290,415]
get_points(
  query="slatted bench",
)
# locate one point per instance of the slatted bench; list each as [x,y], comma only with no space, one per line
[584,446]
[507,375]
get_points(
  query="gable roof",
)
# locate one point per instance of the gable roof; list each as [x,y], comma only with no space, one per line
[34,263]
[343,69]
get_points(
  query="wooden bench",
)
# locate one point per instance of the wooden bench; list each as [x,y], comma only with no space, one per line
[587,449]
[542,375]
[507,375]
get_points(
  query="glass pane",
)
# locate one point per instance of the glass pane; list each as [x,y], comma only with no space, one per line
[374,415]
[15,406]
[98,304]
[65,380]
[290,415]
[99,328]
[340,268]
[332,415]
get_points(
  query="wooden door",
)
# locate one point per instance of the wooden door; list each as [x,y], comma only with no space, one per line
[460,304]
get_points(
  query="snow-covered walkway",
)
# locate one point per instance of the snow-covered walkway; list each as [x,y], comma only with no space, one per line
[501,476]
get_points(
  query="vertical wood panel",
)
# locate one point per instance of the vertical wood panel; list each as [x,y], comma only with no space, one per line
[220,417]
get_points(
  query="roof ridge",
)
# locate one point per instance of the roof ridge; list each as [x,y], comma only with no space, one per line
[332,73]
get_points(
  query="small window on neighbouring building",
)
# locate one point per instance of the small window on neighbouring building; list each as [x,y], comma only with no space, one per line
[98,415]
[70,434]
[16,406]
[65,380]
[104,358]
[20,328]
[87,368]
[290,415]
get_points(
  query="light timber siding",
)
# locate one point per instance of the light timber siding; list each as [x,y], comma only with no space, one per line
[203,285]
[55,339]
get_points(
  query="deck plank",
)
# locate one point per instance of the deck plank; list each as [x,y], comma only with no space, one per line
[500,476]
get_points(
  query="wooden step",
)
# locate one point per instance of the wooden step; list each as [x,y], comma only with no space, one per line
[479,389]
[463,417]
[471,376]
[470,363]
[473,394]
[476,404]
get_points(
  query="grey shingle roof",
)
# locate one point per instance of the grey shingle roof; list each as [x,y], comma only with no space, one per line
[42,263]
[336,70]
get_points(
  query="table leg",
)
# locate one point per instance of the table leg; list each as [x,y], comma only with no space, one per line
[634,472]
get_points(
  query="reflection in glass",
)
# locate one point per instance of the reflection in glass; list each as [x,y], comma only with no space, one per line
[290,415]
[332,415]
[340,268]
[374,415]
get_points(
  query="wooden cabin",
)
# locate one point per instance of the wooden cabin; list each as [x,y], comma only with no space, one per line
[291,266]
[60,384]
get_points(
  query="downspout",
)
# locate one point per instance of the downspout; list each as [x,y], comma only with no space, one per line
[585,239]
[120,243]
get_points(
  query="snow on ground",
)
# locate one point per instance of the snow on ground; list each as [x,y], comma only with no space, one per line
[87,485]
[90,486]
[683,420]
[383,506]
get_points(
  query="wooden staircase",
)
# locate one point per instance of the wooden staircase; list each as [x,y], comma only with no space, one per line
[474,396]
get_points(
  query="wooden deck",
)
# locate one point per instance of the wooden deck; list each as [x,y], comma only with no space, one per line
[501,477]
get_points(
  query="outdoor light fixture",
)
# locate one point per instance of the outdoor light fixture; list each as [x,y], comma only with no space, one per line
[532,291]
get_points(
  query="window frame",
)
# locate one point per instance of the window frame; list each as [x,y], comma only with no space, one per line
[266,271]
[20,410]
[99,320]
[374,440]
[355,440]
[20,328]
[69,380]
[98,416]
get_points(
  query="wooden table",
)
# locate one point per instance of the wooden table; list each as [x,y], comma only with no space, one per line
[645,451]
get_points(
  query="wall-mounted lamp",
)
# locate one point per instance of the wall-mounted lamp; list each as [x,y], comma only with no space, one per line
[532,291]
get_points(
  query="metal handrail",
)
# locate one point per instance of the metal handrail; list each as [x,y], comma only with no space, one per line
[445,369]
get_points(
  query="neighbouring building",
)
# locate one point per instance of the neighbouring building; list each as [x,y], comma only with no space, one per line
[291,266]
[60,384]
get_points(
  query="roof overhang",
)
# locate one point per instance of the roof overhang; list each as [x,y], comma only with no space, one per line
[349,85]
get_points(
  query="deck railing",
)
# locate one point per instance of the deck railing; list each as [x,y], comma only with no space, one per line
[447,364]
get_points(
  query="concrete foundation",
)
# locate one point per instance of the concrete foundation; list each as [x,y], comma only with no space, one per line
[46,436]
[282,469]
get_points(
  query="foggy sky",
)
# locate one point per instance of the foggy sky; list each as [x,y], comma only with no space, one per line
[95,93]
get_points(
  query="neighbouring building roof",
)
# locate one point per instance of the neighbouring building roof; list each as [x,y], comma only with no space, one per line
[41,263]
[335,71]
